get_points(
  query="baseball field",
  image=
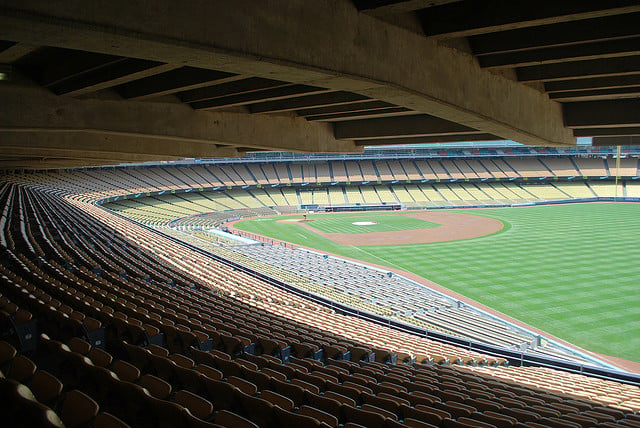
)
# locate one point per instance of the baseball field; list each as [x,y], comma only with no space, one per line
[571,270]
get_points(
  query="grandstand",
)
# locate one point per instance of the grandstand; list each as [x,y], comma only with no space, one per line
[174,325]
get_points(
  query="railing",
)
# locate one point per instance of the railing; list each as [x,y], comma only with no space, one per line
[513,357]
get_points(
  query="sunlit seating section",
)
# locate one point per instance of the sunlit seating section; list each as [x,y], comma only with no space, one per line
[397,168]
[439,169]
[418,195]
[453,169]
[528,167]
[477,194]
[354,196]
[606,189]
[374,291]
[339,172]
[264,198]
[281,171]
[500,168]
[401,193]
[463,193]
[354,172]
[575,189]
[322,173]
[591,167]
[385,195]
[368,171]
[432,194]
[465,168]
[479,169]
[411,170]
[628,167]
[336,195]
[140,330]
[544,191]
[255,171]
[448,195]
[370,195]
[492,193]
[244,198]
[632,189]
[308,173]
[289,196]
[384,171]
[561,167]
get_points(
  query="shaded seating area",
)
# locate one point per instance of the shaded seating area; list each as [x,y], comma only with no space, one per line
[134,329]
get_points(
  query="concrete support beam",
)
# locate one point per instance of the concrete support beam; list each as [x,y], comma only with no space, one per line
[612,113]
[617,141]
[157,129]
[307,101]
[568,34]
[70,144]
[180,80]
[15,52]
[398,127]
[108,78]
[469,17]
[607,132]
[585,51]
[609,82]
[364,114]
[48,163]
[382,8]
[324,43]
[596,94]
[571,70]
[432,139]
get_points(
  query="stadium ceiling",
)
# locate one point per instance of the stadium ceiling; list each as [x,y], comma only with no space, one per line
[87,83]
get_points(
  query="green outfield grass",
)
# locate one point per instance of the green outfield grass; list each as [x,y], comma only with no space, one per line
[570,270]
[383,223]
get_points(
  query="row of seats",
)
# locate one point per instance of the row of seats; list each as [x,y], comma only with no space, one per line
[77,274]
[94,184]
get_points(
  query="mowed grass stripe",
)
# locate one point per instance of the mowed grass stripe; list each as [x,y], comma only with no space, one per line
[570,270]
[388,223]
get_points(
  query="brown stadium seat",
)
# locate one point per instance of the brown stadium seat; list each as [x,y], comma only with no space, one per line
[364,417]
[231,420]
[7,353]
[167,414]
[78,409]
[278,400]
[320,415]
[558,423]
[46,388]
[107,420]
[497,419]
[22,369]
[19,407]
[465,422]
[157,387]
[327,404]
[125,371]
[209,372]
[197,405]
[426,414]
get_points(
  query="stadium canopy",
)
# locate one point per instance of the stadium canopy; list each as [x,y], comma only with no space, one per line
[120,81]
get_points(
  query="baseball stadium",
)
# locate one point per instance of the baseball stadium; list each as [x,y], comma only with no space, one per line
[335,214]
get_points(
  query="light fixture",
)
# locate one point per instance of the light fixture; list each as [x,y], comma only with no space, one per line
[5,72]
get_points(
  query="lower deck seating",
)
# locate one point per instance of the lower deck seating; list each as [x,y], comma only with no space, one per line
[135,329]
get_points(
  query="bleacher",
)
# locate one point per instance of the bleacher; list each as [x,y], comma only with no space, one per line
[108,323]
